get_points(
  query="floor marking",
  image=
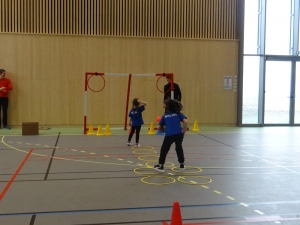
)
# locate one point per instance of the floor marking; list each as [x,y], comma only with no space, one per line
[231,198]
[47,146]
[193,182]
[28,144]
[120,159]
[140,164]
[217,192]
[269,161]
[37,145]
[15,175]
[204,186]
[277,222]
[82,151]
[170,173]
[129,161]
[95,162]
[92,153]
[243,204]
[259,212]
[74,150]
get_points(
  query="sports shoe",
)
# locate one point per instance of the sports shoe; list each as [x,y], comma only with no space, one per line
[137,145]
[6,127]
[129,144]
[159,167]
[182,166]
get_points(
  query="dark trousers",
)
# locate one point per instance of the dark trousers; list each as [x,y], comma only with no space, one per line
[168,141]
[136,129]
[3,107]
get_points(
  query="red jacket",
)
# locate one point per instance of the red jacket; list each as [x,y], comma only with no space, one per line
[5,82]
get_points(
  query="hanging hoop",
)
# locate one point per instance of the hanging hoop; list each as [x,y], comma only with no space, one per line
[158,88]
[91,88]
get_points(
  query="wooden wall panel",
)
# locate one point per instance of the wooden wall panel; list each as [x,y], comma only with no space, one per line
[47,72]
[207,19]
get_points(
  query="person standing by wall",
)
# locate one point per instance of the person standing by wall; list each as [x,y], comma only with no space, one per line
[167,90]
[5,86]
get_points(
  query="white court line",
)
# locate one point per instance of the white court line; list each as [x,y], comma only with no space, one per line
[269,161]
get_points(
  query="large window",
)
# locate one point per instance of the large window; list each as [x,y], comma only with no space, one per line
[271,80]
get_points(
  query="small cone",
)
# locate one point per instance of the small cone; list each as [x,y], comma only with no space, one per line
[195,128]
[91,130]
[99,132]
[151,131]
[176,215]
[107,130]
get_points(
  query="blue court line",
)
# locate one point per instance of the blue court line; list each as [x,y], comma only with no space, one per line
[142,208]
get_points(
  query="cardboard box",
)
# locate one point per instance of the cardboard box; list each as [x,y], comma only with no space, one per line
[30,128]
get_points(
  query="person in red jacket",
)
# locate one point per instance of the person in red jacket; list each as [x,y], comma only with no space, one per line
[5,86]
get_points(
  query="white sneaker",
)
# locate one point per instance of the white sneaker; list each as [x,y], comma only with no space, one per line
[137,145]
[129,144]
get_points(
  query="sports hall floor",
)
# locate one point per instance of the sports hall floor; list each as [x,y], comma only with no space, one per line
[233,176]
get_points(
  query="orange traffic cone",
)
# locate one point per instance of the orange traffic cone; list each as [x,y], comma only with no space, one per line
[176,215]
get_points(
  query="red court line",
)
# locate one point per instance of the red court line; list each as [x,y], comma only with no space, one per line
[15,175]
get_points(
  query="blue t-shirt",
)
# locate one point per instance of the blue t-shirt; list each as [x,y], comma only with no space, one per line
[136,116]
[172,121]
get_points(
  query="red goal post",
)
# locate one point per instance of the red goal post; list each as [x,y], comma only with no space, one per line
[88,75]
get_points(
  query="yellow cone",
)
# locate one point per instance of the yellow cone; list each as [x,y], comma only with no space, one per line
[91,130]
[99,132]
[151,130]
[195,128]
[107,130]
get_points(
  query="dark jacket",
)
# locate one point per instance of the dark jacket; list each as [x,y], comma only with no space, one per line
[177,92]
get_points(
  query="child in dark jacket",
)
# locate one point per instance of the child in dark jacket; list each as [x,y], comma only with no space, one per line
[172,120]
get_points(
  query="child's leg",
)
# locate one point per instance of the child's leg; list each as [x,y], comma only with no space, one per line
[137,134]
[131,133]
[165,149]
[178,147]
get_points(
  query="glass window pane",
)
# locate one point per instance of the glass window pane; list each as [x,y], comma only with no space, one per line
[277,92]
[251,27]
[297,95]
[278,27]
[250,90]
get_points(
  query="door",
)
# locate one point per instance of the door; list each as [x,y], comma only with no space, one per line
[281,105]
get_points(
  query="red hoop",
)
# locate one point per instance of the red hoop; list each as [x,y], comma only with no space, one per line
[158,88]
[92,89]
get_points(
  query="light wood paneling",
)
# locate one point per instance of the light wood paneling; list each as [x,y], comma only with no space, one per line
[209,19]
[47,72]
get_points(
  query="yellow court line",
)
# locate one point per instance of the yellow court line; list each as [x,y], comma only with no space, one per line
[76,160]
[231,198]
[244,204]
[204,186]
[217,192]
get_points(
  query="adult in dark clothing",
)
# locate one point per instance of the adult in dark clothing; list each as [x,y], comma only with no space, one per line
[167,90]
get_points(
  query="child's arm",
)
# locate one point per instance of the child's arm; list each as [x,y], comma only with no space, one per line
[184,129]
[142,102]
[130,122]
[161,128]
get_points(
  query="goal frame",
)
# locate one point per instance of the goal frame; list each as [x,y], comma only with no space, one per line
[89,74]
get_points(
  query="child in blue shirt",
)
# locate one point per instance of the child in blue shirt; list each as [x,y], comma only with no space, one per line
[173,133]
[136,120]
